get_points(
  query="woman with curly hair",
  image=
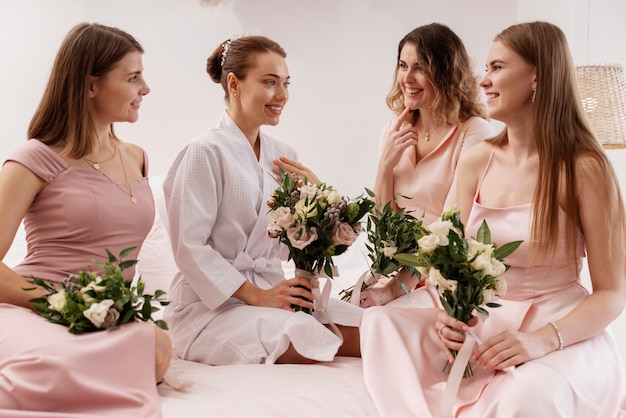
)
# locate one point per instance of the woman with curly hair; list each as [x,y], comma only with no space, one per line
[439,115]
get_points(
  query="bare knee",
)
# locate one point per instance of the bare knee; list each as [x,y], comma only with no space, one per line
[351,346]
[291,356]
[163,353]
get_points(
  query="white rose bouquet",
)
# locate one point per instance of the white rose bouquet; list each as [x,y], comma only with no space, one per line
[91,301]
[315,222]
[467,272]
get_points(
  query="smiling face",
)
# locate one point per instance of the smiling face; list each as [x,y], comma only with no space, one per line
[418,91]
[508,85]
[263,93]
[116,96]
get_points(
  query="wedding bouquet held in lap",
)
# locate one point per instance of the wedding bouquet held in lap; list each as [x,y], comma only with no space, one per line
[91,301]
[315,222]
[467,272]
[389,232]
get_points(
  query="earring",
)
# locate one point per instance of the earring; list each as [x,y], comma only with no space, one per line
[534,94]
[235,94]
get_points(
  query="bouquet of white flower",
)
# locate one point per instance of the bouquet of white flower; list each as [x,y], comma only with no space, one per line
[91,301]
[467,272]
[315,222]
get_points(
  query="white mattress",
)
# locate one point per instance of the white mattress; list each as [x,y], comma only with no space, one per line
[333,389]
[317,390]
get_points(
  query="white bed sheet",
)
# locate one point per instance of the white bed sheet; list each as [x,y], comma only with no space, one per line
[333,389]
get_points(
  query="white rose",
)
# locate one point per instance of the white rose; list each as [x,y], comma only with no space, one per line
[476,247]
[278,220]
[501,286]
[97,312]
[428,243]
[482,264]
[389,251]
[497,267]
[489,295]
[57,301]
[440,282]
[441,228]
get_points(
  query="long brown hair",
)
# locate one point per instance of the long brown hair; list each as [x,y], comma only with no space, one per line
[89,49]
[565,142]
[448,67]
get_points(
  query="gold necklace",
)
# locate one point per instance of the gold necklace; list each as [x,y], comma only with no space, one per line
[96,164]
[133,199]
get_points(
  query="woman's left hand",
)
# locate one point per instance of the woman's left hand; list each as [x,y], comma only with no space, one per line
[511,348]
[295,168]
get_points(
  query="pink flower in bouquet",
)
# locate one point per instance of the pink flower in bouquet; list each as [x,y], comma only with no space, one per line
[323,223]
[299,237]
[344,234]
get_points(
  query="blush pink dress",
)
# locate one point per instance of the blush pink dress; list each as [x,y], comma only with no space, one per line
[428,186]
[44,370]
[586,379]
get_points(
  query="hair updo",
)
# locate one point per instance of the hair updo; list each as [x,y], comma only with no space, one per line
[237,56]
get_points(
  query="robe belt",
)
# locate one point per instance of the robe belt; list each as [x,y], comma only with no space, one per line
[259,265]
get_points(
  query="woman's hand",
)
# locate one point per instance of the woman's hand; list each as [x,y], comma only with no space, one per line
[396,287]
[511,348]
[398,140]
[287,293]
[375,296]
[451,333]
[295,168]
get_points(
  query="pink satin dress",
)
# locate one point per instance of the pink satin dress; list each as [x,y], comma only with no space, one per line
[45,371]
[403,356]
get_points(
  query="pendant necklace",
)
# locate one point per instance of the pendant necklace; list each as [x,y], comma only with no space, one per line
[133,199]
[427,134]
[96,166]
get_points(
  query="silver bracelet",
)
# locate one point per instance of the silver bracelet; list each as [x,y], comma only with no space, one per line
[558,334]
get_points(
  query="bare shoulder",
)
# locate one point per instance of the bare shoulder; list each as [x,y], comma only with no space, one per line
[594,172]
[477,156]
[133,151]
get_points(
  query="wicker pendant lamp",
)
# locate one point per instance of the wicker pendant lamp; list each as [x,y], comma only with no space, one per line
[603,93]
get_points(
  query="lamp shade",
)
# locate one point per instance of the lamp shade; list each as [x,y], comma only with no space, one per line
[603,93]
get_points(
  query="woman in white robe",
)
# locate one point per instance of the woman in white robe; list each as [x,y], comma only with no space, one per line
[231,303]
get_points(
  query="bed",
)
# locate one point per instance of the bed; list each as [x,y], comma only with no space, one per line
[334,389]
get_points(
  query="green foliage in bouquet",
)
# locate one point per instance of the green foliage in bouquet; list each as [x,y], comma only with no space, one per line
[389,232]
[467,272]
[315,222]
[91,301]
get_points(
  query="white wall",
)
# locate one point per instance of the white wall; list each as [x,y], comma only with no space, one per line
[341,55]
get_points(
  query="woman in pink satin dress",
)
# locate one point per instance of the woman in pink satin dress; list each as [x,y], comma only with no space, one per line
[544,179]
[439,115]
[78,189]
